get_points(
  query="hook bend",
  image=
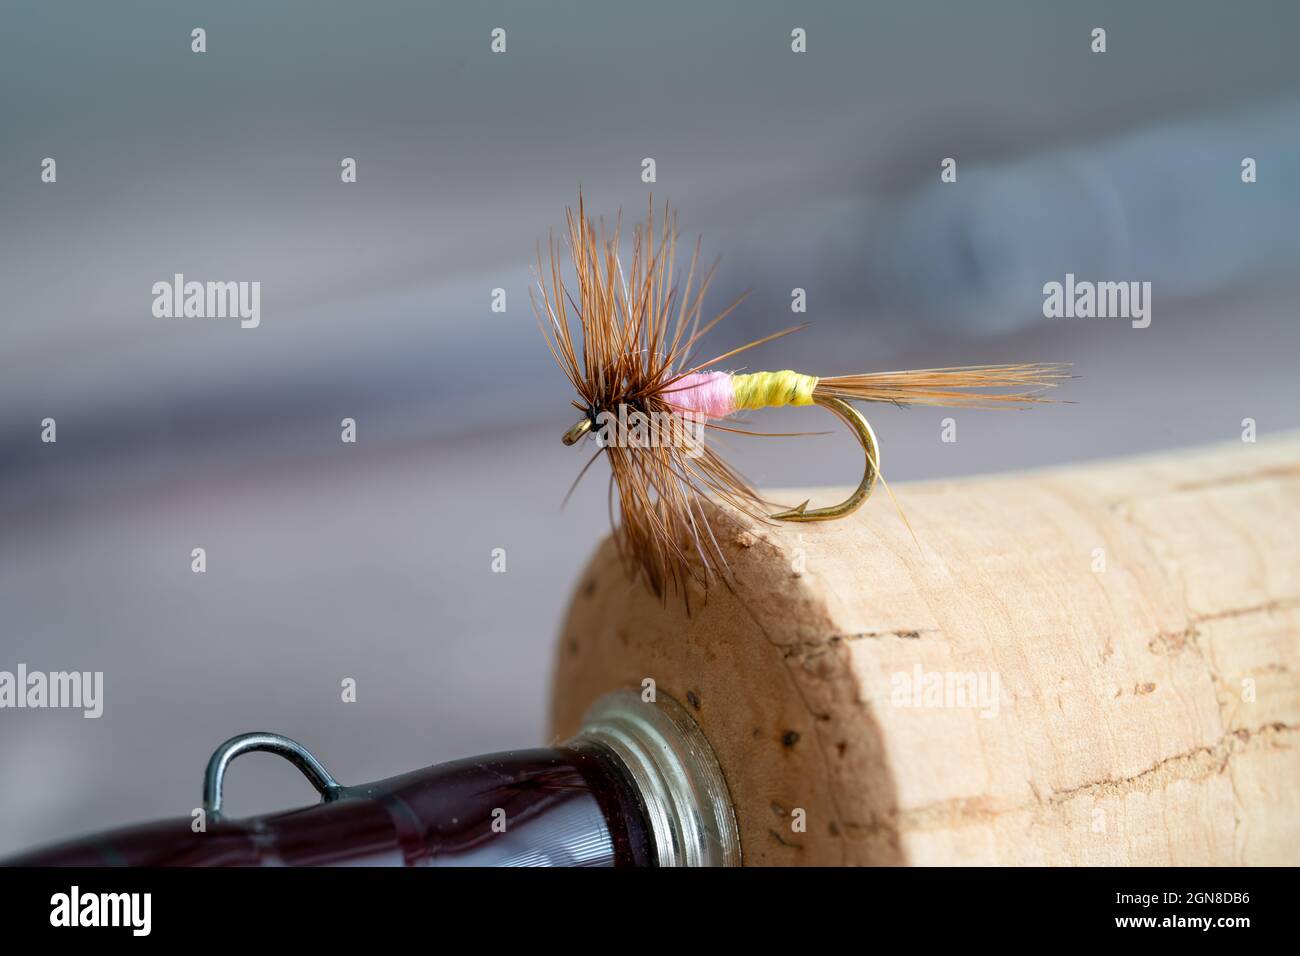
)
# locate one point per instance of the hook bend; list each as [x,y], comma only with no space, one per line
[867,438]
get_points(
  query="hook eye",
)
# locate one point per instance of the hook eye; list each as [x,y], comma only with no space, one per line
[574,434]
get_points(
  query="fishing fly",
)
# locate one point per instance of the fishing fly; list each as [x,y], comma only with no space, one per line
[626,339]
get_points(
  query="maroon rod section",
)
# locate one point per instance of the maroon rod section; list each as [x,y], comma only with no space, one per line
[546,807]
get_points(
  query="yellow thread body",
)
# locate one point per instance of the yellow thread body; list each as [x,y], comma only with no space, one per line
[773,389]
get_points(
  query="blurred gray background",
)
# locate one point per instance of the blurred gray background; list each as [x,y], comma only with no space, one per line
[372,561]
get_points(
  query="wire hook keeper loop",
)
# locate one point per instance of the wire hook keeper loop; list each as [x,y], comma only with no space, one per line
[292,751]
[867,438]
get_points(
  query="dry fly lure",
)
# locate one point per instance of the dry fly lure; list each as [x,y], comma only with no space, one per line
[649,402]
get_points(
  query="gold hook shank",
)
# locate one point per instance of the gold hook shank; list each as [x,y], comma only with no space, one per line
[867,438]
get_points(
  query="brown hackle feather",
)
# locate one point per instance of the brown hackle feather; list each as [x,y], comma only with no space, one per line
[625,336]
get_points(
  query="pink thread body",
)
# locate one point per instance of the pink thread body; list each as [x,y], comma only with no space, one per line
[705,393]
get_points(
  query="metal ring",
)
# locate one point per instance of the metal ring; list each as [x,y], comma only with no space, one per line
[292,751]
[676,773]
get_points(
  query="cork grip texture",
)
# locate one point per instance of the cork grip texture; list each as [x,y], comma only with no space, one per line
[1148,708]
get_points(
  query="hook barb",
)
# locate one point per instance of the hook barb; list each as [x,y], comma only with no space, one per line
[867,438]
